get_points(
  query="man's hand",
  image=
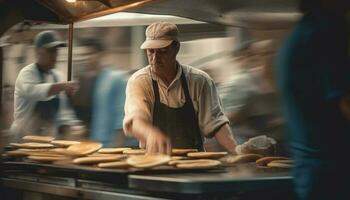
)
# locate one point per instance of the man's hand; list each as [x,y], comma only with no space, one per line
[157,142]
[71,87]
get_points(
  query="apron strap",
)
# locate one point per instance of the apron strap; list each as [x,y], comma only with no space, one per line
[156,91]
[187,94]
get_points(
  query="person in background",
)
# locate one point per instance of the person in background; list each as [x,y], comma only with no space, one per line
[40,106]
[171,105]
[99,102]
[249,97]
[314,79]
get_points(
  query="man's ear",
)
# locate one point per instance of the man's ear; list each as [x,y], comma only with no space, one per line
[177,47]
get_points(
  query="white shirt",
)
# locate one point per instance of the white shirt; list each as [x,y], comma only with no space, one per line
[28,91]
[140,98]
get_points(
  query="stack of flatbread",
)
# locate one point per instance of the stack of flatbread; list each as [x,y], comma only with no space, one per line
[182,152]
[275,162]
[208,155]
[148,161]
[36,148]
[243,158]
[195,163]
[47,149]
[81,149]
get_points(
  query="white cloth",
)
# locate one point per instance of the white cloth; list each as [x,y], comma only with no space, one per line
[28,91]
[206,102]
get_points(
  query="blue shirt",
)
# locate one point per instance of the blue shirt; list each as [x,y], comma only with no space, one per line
[313,74]
[108,100]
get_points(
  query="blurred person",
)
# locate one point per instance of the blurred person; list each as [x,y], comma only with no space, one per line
[169,104]
[249,97]
[100,100]
[314,78]
[40,107]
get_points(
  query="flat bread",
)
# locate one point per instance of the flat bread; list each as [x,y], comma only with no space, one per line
[148,161]
[178,157]
[199,165]
[39,139]
[265,160]
[113,150]
[207,154]
[175,162]
[279,165]
[244,158]
[16,153]
[290,162]
[32,145]
[64,143]
[82,149]
[105,154]
[114,165]
[46,158]
[35,150]
[182,152]
[134,151]
[44,154]
[94,160]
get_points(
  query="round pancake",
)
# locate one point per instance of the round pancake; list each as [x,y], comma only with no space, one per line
[243,158]
[182,152]
[113,150]
[32,145]
[44,154]
[265,160]
[82,148]
[64,143]
[106,154]
[39,139]
[16,153]
[46,158]
[279,165]
[206,154]
[134,151]
[199,165]
[178,158]
[35,150]
[290,162]
[114,165]
[94,160]
[148,161]
[175,162]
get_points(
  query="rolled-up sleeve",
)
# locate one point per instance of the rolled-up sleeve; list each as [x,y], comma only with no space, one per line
[210,113]
[138,103]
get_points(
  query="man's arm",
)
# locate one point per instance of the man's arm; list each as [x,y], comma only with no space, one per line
[155,140]
[225,138]
[69,87]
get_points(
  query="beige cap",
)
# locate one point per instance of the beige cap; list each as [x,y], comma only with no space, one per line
[160,35]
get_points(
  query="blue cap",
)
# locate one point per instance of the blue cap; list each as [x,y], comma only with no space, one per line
[48,39]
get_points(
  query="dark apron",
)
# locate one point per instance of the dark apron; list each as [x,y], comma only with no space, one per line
[179,124]
[45,111]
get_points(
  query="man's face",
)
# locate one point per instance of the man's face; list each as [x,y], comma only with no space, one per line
[47,57]
[92,59]
[163,57]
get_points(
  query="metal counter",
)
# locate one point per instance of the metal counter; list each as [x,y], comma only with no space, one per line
[244,181]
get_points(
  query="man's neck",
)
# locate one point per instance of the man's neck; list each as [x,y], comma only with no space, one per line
[167,75]
[42,68]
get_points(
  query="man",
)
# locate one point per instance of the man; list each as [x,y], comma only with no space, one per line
[172,105]
[314,77]
[100,99]
[39,106]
